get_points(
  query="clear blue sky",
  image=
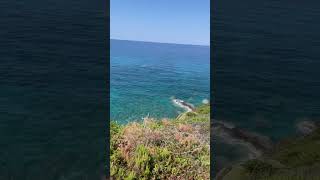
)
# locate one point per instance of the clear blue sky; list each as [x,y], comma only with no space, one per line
[168,21]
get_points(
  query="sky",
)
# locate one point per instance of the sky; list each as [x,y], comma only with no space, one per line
[165,21]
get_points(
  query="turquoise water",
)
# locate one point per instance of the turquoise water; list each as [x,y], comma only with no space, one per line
[145,76]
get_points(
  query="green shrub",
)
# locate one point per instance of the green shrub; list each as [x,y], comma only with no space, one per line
[203,109]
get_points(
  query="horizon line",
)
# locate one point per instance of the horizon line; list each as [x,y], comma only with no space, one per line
[161,42]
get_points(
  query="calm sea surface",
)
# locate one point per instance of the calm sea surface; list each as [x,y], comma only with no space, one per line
[267,56]
[52,79]
[53,98]
[146,76]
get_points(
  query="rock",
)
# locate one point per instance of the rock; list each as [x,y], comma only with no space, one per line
[306,127]
[261,143]
[205,101]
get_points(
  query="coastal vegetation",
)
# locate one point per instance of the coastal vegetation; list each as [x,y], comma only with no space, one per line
[291,159]
[162,149]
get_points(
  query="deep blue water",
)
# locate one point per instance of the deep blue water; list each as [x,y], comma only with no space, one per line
[53,98]
[145,76]
[267,61]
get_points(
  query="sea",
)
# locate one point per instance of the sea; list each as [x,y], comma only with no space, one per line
[53,89]
[53,79]
[266,68]
[145,77]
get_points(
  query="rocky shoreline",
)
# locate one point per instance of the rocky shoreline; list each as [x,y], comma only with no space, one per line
[256,144]
[230,134]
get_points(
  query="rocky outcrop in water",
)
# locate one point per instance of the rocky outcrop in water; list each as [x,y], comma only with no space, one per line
[256,143]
